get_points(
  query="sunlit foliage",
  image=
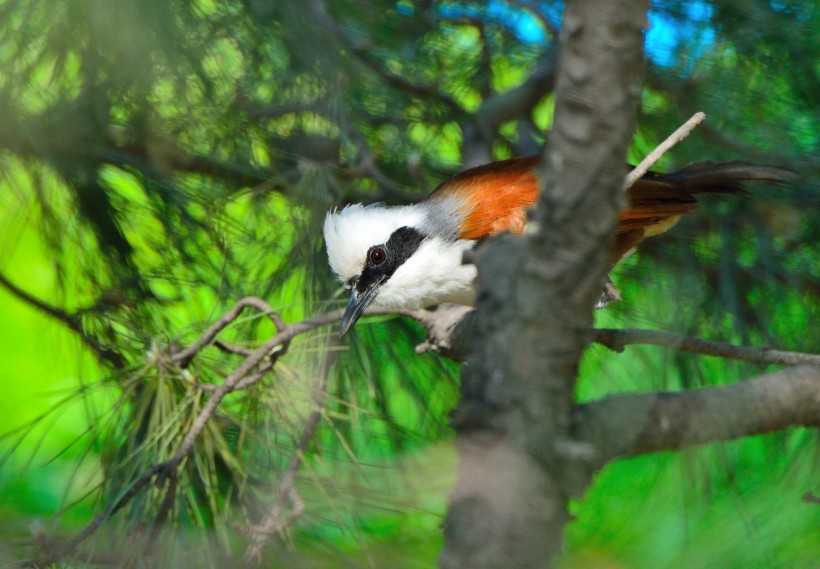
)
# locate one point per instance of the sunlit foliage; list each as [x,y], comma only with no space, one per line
[160,160]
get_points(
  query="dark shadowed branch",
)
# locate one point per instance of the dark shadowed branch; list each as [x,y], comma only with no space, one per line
[71,321]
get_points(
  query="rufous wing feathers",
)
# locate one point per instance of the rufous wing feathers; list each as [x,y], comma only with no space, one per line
[496,196]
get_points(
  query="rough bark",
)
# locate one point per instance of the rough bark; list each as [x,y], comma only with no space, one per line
[518,468]
[642,423]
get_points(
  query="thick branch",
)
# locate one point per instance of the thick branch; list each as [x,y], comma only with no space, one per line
[535,301]
[628,425]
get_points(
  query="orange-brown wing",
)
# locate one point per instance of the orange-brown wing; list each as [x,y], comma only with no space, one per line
[498,195]
[495,196]
[657,201]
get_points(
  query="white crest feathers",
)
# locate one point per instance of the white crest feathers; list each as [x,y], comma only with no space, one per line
[350,232]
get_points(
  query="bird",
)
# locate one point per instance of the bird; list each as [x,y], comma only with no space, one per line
[407,257]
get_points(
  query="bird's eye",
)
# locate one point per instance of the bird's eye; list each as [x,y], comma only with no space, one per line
[377,256]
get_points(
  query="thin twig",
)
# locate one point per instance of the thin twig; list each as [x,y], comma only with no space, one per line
[682,132]
[284,336]
[231,349]
[448,334]
[617,340]
[240,377]
[70,546]
[275,521]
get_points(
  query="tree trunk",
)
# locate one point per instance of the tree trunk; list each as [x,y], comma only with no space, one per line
[518,465]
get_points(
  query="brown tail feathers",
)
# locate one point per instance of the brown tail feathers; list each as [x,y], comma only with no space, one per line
[657,201]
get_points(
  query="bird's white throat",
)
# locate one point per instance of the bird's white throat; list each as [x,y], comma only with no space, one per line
[432,274]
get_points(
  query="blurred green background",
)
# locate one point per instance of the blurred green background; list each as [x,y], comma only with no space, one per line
[160,160]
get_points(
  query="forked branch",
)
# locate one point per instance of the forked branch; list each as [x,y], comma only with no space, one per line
[251,370]
[617,426]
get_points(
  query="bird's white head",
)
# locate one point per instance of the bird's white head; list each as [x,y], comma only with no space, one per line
[396,258]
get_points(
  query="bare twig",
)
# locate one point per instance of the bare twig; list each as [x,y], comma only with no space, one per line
[275,521]
[682,132]
[242,377]
[617,340]
[230,384]
[68,319]
[448,334]
[680,93]
[231,349]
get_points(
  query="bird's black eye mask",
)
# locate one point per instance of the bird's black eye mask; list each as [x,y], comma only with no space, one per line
[383,260]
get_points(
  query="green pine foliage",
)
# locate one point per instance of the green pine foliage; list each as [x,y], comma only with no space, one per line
[161,160]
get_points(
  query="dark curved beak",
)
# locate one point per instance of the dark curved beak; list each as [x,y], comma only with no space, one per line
[358,304]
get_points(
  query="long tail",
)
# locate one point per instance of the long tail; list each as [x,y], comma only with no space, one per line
[658,201]
[705,176]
